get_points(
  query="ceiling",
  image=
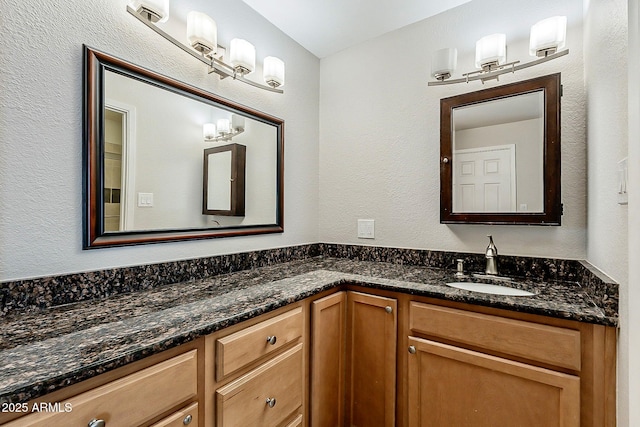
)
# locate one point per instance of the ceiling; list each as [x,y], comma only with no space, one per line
[325,27]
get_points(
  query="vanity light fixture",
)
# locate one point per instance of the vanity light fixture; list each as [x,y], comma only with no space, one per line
[152,10]
[223,130]
[203,45]
[546,40]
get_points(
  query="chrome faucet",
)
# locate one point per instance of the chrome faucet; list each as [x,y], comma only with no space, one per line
[492,257]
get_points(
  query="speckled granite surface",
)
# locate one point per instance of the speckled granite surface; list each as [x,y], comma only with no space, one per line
[45,350]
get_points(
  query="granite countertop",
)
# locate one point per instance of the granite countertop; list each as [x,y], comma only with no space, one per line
[43,351]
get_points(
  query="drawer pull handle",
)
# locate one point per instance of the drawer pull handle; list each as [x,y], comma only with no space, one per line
[388,309]
[272,339]
[187,420]
[271,402]
[96,423]
[412,349]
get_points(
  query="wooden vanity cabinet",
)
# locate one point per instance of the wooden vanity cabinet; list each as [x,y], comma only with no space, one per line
[354,360]
[259,371]
[467,368]
[164,394]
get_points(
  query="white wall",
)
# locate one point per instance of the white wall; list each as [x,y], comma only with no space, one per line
[629,345]
[608,131]
[380,141]
[41,126]
[630,334]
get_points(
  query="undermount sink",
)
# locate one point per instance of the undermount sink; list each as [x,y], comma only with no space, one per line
[488,288]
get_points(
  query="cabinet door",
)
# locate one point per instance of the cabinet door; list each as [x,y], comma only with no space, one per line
[328,360]
[451,386]
[371,368]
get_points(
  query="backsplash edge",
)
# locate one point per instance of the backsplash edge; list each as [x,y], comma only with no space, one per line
[46,292]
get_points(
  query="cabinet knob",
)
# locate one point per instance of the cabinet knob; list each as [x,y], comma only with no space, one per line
[187,420]
[271,402]
[96,423]
[388,309]
[272,339]
[412,349]
[445,160]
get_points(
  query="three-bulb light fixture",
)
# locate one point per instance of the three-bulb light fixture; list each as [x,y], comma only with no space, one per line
[546,40]
[203,45]
[223,129]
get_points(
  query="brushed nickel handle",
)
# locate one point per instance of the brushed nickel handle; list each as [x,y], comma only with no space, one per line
[271,402]
[271,339]
[412,349]
[388,309]
[96,423]
[187,420]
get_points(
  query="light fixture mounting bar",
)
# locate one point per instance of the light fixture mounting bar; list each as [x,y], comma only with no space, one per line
[495,74]
[226,136]
[215,65]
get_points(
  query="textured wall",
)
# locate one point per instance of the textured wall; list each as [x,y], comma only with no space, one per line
[41,126]
[606,30]
[380,142]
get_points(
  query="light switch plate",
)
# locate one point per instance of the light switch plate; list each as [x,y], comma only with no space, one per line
[145,200]
[623,195]
[366,229]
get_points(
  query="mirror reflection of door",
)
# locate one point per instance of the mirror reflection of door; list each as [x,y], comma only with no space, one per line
[488,179]
[119,146]
[113,135]
[485,179]
[220,179]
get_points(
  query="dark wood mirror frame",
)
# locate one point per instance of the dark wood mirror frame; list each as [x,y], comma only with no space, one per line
[551,154]
[95,63]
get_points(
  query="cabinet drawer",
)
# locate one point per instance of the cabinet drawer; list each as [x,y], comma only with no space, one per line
[237,350]
[546,344]
[244,402]
[185,417]
[129,401]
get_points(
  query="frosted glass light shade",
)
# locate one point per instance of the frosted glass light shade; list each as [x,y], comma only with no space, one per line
[273,71]
[548,35]
[242,56]
[202,32]
[157,10]
[444,63]
[237,122]
[209,131]
[224,126]
[491,49]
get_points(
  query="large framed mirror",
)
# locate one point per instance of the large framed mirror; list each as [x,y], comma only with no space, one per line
[500,155]
[144,143]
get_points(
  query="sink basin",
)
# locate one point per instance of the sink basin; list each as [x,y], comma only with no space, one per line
[488,288]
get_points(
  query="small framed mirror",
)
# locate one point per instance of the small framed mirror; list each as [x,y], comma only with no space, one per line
[500,155]
[144,176]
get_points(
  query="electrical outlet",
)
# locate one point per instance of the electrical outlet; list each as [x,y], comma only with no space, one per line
[366,229]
